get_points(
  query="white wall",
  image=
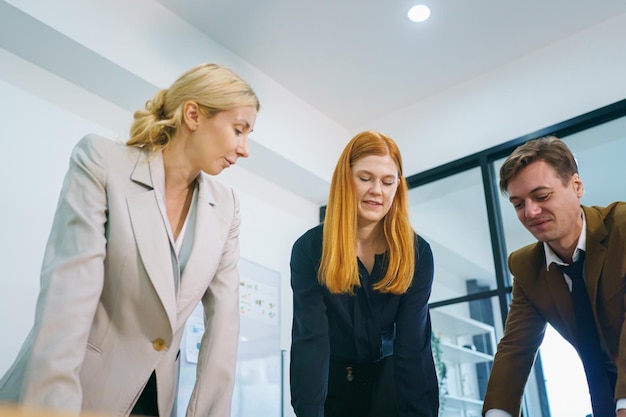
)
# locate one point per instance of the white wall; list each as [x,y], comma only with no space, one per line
[38,136]
[149,41]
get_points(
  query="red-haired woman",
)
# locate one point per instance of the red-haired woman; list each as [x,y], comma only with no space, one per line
[361,283]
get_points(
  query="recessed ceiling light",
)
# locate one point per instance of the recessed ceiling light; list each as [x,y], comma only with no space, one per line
[419,13]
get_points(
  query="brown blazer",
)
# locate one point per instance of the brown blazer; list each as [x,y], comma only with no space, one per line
[108,312]
[541,296]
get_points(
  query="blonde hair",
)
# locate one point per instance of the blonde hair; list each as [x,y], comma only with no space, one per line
[339,270]
[213,87]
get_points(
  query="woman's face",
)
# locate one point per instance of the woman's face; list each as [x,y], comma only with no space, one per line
[219,140]
[375,181]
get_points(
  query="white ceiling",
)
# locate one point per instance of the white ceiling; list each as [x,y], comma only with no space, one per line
[359,60]
[367,68]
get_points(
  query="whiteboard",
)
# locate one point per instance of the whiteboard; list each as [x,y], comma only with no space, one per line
[258,380]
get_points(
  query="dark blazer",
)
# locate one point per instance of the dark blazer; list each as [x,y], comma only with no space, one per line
[108,313]
[541,296]
[362,328]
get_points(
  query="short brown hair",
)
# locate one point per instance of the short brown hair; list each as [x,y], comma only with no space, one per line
[550,149]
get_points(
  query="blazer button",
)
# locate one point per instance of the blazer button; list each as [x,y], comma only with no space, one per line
[158,344]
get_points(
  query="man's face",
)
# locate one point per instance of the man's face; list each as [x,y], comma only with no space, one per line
[549,209]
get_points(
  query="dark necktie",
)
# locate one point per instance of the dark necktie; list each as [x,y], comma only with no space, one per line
[588,344]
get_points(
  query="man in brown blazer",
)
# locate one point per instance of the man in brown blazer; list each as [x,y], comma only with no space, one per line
[542,182]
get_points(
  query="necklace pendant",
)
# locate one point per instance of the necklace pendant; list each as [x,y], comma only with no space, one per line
[349,376]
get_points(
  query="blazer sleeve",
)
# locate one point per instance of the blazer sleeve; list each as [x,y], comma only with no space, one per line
[524,331]
[614,276]
[71,283]
[310,348]
[215,375]
[414,369]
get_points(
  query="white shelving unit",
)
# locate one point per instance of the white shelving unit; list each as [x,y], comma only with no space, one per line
[455,334]
[457,354]
[463,406]
[456,326]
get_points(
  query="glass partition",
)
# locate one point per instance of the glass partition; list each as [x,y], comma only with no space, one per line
[601,156]
[451,215]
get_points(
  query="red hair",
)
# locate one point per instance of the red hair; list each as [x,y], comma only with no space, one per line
[338,267]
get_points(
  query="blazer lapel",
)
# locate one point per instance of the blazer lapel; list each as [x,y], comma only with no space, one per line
[205,253]
[151,234]
[596,252]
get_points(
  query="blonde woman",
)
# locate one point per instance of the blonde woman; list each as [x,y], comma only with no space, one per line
[142,233]
[361,282]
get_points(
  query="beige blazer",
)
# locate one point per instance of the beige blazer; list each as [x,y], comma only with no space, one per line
[541,296]
[108,313]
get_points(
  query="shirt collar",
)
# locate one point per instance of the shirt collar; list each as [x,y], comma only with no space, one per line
[581,246]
